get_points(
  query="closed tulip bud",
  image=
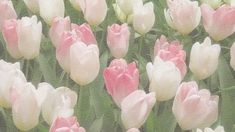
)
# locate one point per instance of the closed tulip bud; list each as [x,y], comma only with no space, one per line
[143,17]
[121,79]
[133,130]
[178,11]
[118,40]
[164,78]
[213,3]
[136,107]
[127,6]
[171,51]
[194,108]
[204,59]
[10,36]
[218,129]
[84,62]
[11,77]
[29,37]
[33,5]
[7,11]
[75,4]
[49,9]
[69,124]
[85,33]
[219,23]
[58,26]
[58,102]
[90,6]
[232,54]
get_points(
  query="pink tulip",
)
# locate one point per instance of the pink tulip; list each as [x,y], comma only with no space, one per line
[171,51]
[194,108]
[59,25]
[220,23]
[85,33]
[7,11]
[118,40]
[69,124]
[121,79]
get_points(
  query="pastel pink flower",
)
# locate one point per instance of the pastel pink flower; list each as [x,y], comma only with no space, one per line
[58,26]
[194,108]
[171,51]
[121,79]
[118,40]
[69,124]
[219,23]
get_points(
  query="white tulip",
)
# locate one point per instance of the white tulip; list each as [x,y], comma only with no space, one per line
[218,129]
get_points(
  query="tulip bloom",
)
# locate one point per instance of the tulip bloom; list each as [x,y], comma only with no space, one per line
[33,5]
[218,129]
[204,59]
[220,23]
[121,79]
[143,17]
[69,124]
[183,15]
[194,108]
[49,9]
[232,54]
[133,130]
[171,51]
[136,107]
[118,40]
[58,26]
[127,6]
[213,3]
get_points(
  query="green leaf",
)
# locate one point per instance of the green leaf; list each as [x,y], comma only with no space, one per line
[96,125]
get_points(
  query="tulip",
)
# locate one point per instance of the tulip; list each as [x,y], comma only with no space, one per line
[75,4]
[133,130]
[90,6]
[69,124]
[220,23]
[84,63]
[194,108]
[58,102]
[121,79]
[118,40]
[33,5]
[204,59]
[230,2]
[164,78]
[7,11]
[58,26]
[119,13]
[29,37]
[232,54]
[218,129]
[85,33]
[143,17]
[171,51]
[183,15]
[136,107]
[49,9]
[213,3]
[11,77]
[127,6]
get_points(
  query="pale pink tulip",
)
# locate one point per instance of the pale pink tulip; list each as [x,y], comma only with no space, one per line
[85,33]
[58,26]
[121,79]
[219,23]
[133,130]
[171,51]
[69,124]
[194,108]
[118,40]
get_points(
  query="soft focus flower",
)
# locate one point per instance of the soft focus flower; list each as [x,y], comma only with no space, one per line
[118,40]
[219,23]
[94,10]
[133,130]
[58,102]
[75,4]
[127,6]
[58,26]
[7,11]
[204,58]
[121,79]
[29,37]
[119,13]
[136,107]
[69,124]
[164,78]
[213,3]
[11,78]
[230,2]
[171,51]
[49,9]
[183,15]
[84,62]
[218,129]
[232,54]
[33,5]
[194,108]
[143,17]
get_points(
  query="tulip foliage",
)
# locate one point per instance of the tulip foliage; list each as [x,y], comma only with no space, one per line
[117,65]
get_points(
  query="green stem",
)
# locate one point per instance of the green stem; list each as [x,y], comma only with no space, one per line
[27,68]
[141,44]
[62,76]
